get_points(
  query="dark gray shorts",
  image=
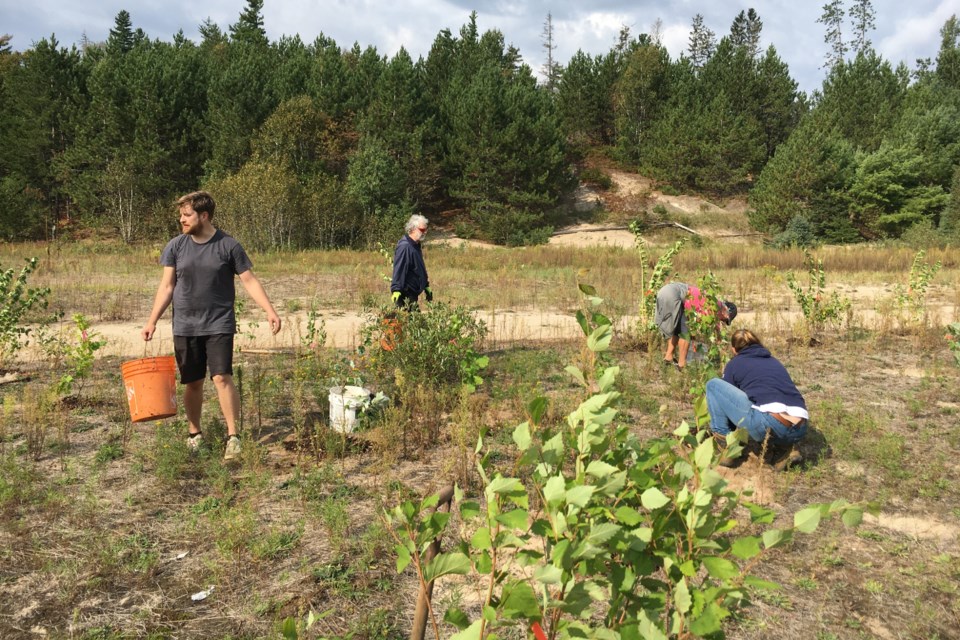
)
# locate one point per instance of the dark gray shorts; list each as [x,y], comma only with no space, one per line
[195,354]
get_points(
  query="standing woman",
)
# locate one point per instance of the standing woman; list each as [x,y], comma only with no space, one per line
[756,393]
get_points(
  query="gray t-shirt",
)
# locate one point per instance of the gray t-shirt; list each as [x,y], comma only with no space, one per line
[204,293]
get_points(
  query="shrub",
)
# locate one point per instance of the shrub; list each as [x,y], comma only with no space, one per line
[16,300]
[439,346]
[800,232]
[597,177]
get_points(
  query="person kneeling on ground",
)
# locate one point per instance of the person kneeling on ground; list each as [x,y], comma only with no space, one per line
[674,300]
[756,393]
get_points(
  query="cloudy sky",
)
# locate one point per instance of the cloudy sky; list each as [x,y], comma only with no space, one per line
[905,30]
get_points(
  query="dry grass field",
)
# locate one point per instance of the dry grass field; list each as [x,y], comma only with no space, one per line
[111,530]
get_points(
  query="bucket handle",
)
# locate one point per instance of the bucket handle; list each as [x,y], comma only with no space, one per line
[155,342]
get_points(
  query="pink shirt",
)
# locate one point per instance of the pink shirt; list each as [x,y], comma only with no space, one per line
[695,300]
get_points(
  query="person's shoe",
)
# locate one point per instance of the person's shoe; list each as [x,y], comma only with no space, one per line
[792,458]
[194,443]
[232,450]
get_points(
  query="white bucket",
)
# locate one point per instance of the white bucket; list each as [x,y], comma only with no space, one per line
[344,402]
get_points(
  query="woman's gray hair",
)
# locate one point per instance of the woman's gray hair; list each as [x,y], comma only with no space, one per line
[416,220]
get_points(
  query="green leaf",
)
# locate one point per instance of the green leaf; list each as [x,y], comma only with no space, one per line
[721,568]
[600,533]
[457,618]
[521,436]
[628,516]
[709,622]
[600,469]
[653,498]
[599,318]
[289,629]
[470,633]
[481,539]
[753,581]
[599,340]
[703,456]
[580,496]
[648,629]
[502,485]
[746,548]
[483,562]
[609,376]
[554,491]
[852,517]
[775,537]
[588,289]
[582,321]
[519,601]
[515,519]
[446,564]
[403,557]
[807,520]
[681,596]
[537,407]
[758,514]
[469,509]
[576,374]
[548,574]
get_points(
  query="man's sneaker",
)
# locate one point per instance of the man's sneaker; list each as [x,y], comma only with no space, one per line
[194,443]
[232,449]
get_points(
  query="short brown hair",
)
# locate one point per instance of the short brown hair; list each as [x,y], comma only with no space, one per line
[742,338]
[200,201]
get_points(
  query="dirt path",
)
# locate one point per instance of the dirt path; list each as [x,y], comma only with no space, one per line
[343,329]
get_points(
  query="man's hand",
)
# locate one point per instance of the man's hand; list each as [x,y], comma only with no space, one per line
[274,321]
[429,294]
[396,296]
[147,332]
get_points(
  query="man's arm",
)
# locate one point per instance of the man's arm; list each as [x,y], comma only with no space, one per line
[256,291]
[162,300]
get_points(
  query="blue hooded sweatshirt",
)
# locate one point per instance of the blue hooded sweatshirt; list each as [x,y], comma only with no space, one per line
[762,377]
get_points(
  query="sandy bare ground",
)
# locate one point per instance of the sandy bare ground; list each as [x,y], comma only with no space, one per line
[504,327]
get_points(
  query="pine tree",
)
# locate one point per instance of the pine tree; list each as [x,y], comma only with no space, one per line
[864,21]
[249,27]
[948,58]
[832,19]
[581,102]
[702,42]
[121,38]
[745,31]
[551,68]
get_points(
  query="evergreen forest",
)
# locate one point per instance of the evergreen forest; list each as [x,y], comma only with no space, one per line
[317,145]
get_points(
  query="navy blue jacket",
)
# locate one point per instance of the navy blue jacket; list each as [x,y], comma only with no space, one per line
[409,271]
[762,377]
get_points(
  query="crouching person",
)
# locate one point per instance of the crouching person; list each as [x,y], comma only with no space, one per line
[757,394]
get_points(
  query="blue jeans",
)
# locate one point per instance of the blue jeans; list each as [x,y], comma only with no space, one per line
[730,408]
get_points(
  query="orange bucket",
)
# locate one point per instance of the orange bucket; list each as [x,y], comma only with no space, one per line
[390,337]
[151,385]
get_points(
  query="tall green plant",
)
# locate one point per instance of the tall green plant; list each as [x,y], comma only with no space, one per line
[651,284]
[16,300]
[913,299]
[818,308]
[599,535]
